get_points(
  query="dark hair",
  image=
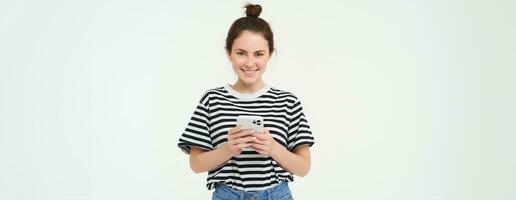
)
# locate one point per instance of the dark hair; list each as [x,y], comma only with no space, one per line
[251,22]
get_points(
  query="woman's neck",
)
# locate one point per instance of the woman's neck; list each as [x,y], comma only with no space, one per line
[241,87]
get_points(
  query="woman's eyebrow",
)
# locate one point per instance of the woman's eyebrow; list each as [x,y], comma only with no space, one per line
[246,51]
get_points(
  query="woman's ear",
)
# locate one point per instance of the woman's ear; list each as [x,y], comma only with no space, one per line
[228,54]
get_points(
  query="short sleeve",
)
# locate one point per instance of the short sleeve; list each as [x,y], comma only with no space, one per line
[299,132]
[197,132]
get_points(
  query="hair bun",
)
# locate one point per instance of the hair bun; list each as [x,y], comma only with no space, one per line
[253,10]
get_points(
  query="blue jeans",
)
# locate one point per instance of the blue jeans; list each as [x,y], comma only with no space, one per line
[278,192]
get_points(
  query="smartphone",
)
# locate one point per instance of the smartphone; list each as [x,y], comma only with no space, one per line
[250,122]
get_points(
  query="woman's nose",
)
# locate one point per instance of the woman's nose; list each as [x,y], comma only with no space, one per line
[250,61]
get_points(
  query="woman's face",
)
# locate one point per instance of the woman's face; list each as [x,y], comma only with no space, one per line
[249,56]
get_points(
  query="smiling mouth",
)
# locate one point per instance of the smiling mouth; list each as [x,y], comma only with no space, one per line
[249,71]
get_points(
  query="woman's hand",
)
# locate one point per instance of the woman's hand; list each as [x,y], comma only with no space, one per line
[264,144]
[238,139]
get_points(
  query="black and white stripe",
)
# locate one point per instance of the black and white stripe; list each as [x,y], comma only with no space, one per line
[216,113]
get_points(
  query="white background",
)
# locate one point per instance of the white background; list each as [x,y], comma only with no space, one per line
[407,99]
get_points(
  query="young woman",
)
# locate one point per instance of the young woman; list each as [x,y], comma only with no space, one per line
[243,164]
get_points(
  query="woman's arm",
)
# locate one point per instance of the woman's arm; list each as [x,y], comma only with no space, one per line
[297,162]
[202,160]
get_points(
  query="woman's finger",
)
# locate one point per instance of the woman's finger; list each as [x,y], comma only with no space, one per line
[242,133]
[237,135]
[244,140]
[262,136]
[258,147]
[258,141]
[234,130]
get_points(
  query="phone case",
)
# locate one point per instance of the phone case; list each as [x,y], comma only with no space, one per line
[250,122]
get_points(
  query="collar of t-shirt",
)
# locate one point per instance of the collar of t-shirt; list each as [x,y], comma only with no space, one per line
[247,96]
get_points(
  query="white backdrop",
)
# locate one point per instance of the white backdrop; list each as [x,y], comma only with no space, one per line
[407,99]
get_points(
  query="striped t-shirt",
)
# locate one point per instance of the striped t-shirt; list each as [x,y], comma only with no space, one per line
[216,113]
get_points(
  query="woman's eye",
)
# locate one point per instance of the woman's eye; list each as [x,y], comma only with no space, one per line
[240,53]
[259,54]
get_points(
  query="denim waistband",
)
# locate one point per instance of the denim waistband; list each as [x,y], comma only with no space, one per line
[279,189]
